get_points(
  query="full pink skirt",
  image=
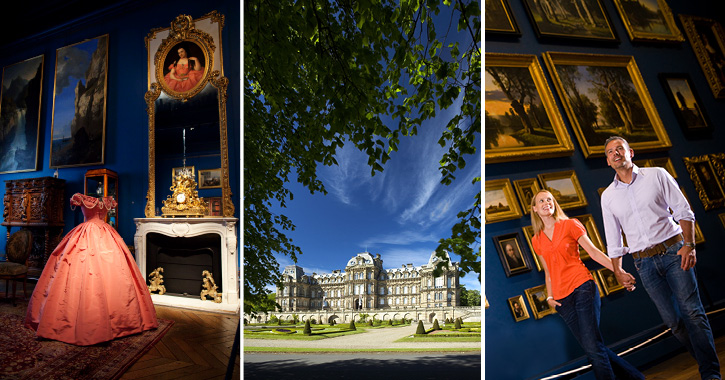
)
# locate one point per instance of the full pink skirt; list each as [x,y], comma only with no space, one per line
[91,290]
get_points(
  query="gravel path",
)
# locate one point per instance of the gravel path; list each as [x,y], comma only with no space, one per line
[372,338]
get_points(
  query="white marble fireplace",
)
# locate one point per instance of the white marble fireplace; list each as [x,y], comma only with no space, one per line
[191,228]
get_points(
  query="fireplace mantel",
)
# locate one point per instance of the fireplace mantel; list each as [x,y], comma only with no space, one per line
[189,228]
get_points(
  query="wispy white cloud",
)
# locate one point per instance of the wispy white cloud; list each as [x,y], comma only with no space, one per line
[351,174]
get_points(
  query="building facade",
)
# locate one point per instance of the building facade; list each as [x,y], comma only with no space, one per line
[365,285]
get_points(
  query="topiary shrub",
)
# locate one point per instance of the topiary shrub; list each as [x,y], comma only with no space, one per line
[420,329]
[435,325]
[352,325]
[458,323]
[332,322]
[307,330]
[370,322]
[390,322]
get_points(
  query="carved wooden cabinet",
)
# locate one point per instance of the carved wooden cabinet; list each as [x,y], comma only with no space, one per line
[36,204]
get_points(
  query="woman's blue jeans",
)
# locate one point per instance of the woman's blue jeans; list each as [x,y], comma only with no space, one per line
[580,311]
[674,292]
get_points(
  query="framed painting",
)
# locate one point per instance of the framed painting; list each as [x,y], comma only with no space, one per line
[526,189]
[537,299]
[500,201]
[582,20]
[499,18]
[718,163]
[685,103]
[702,174]
[511,252]
[78,131]
[20,95]
[608,281]
[596,281]
[518,308]
[189,170]
[565,187]
[662,162]
[529,234]
[588,221]
[522,119]
[210,178]
[648,20]
[605,95]
[708,41]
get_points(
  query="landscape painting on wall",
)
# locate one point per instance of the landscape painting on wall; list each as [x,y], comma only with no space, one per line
[79,104]
[22,85]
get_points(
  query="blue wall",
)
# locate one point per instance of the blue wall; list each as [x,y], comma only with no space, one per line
[126,150]
[546,345]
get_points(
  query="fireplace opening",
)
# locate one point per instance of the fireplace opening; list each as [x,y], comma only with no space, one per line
[184,259]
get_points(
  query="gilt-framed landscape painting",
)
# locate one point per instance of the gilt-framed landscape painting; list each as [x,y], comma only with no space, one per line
[499,18]
[522,119]
[79,104]
[565,187]
[605,95]
[579,20]
[22,86]
[707,39]
[500,201]
[649,20]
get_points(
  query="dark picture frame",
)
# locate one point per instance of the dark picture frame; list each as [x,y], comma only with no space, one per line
[78,129]
[518,308]
[707,39]
[210,178]
[703,176]
[528,132]
[511,251]
[537,299]
[686,104]
[594,88]
[500,19]
[566,21]
[21,94]
[650,21]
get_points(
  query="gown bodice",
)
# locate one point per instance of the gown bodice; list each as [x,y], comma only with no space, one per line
[93,208]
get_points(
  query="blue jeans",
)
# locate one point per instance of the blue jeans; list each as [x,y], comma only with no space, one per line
[580,311]
[675,294]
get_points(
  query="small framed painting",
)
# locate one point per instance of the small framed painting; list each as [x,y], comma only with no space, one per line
[210,179]
[526,189]
[499,18]
[565,187]
[608,281]
[685,103]
[511,252]
[500,201]
[537,299]
[518,308]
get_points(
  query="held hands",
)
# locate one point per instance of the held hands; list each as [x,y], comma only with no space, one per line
[626,279]
[689,259]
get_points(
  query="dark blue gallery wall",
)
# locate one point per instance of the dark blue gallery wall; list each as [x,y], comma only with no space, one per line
[546,344]
[126,148]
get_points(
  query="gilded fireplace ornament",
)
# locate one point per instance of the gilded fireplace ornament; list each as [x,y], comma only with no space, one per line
[184,200]
[209,288]
[156,279]
[195,43]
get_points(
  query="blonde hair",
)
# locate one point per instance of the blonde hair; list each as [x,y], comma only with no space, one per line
[536,221]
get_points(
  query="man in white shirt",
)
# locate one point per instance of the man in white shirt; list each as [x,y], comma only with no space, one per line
[637,203]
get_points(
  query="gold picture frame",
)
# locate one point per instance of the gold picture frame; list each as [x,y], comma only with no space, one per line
[499,18]
[210,178]
[555,20]
[608,281]
[509,138]
[518,308]
[707,39]
[620,82]
[537,299]
[529,234]
[588,221]
[500,201]
[660,28]
[565,187]
[593,272]
[703,176]
[718,163]
[526,189]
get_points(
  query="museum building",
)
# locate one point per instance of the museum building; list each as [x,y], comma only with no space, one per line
[365,284]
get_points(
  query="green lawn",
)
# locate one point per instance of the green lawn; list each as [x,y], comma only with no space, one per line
[433,338]
[352,350]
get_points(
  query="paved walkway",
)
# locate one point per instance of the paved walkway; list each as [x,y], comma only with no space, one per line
[372,338]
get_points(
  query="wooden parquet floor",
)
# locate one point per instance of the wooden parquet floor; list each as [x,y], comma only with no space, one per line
[683,366]
[198,346]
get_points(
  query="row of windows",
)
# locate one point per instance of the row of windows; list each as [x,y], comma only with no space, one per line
[382,302]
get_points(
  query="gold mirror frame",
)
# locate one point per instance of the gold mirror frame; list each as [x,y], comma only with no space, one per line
[183,29]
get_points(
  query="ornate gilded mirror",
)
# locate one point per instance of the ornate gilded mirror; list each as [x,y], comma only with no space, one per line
[186,105]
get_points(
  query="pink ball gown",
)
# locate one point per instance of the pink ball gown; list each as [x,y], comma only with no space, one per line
[91,289]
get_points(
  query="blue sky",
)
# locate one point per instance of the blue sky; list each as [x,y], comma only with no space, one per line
[71,64]
[400,213]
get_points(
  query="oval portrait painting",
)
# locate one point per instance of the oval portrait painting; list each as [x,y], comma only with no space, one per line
[183,69]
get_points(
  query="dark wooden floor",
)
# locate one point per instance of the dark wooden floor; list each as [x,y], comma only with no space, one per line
[197,346]
[683,366]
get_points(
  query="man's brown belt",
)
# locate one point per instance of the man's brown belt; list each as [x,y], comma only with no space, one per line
[658,248]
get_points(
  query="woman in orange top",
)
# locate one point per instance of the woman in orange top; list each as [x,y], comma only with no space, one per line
[571,287]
